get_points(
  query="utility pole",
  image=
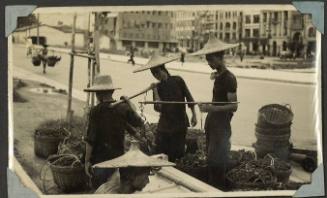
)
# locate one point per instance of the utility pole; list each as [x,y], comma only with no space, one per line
[96,41]
[37,29]
[71,72]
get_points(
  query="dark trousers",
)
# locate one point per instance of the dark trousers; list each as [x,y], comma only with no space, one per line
[171,144]
[218,148]
[100,176]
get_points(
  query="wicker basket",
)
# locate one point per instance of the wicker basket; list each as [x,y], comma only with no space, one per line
[36,60]
[44,146]
[52,60]
[69,179]
[275,115]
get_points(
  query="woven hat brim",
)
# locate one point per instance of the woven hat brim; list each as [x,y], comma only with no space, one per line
[133,159]
[100,88]
[155,65]
[213,50]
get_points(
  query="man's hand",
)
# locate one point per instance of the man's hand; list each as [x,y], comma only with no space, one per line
[88,169]
[193,120]
[153,85]
[126,99]
[204,107]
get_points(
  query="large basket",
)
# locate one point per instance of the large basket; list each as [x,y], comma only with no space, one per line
[45,146]
[52,60]
[36,60]
[275,115]
[69,179]
[272,130]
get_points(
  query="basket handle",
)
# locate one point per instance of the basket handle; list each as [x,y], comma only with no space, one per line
[288,106]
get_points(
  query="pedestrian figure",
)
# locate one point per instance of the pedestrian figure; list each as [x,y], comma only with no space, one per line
[106,127]
[183,52]
[217,124]
[133,174]
[173,121]
[44,57]
[131,56]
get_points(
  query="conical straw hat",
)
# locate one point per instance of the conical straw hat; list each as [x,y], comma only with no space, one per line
[133,158]
[214,45]
[101,83]
[155,61]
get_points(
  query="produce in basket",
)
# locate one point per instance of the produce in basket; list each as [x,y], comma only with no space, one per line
[192,160]
[59,127]
[266,173]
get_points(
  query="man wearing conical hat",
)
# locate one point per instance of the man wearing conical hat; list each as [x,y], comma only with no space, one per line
[134,169]
[106,127]
[217,124]
[173,121]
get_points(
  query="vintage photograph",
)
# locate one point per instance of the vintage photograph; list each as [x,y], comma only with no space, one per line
[165,100]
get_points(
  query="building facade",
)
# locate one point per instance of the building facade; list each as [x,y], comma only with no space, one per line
[263,32]
[144,30]
[55,36]
[271,32]
[193,28]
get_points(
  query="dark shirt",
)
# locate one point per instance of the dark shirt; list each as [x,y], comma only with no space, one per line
[224,83]
[106,130]
[173,116]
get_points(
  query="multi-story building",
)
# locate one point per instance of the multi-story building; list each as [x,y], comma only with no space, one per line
[271,32]
[193,28]
[187,26]
[227,25]
[145,30]
[251,31]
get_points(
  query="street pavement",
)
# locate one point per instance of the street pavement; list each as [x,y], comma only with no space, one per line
[252,92]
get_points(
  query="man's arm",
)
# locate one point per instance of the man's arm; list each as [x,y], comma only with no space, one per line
[156,97]
[231,97]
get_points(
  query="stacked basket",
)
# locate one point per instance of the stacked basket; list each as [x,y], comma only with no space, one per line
[273,131]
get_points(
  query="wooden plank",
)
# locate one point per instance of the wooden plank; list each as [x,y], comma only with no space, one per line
[186,180]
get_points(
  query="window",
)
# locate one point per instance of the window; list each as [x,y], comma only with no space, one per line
[153,45]
[227,36]
[227,26]
[221,26]
[247,33]
[221,35]
[234,36]
[256,19]
[275,16]
[285,15]
[311,32]
[234,26]
[264,17]
[247,19]
[255,32]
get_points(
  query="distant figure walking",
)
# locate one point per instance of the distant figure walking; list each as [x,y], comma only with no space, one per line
[131,56]
[44,55]
[183,52]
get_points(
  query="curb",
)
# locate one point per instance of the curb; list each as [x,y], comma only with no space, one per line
[247,77]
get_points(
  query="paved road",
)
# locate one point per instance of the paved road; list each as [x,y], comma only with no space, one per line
[252,94]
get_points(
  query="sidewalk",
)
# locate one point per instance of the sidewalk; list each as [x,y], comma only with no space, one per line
[296,76]
[288,76]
